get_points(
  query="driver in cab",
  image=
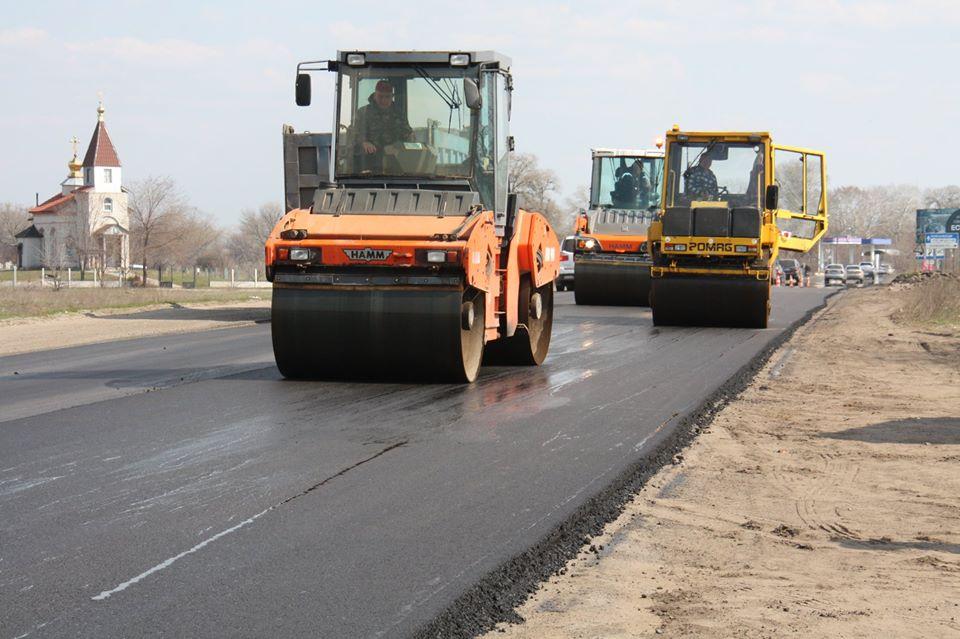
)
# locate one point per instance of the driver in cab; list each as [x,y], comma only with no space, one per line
[380,123]
[632,189]
[699,181]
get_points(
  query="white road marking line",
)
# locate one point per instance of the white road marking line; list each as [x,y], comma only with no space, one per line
[168,562]
[106,594]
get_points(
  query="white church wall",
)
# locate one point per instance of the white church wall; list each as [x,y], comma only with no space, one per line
[32,256]
[58,247]
[107,179]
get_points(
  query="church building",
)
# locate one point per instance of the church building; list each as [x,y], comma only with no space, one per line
[85,224]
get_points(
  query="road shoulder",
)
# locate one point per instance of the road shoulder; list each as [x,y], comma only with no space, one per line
[822,502]
[76,329]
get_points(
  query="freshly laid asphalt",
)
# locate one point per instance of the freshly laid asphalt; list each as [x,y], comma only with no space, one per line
[178,486]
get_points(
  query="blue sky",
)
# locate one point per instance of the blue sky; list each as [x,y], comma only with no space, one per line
[199,90]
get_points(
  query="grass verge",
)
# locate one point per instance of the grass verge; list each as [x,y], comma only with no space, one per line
[34,302]
[932,300]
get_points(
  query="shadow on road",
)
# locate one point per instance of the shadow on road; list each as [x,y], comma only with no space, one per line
[885,543]
[932,430]
[183,313]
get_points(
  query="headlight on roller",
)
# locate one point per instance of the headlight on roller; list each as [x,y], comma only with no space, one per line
[298,254]
[436,256]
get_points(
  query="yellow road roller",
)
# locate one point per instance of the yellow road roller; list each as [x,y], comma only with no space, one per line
[731,202]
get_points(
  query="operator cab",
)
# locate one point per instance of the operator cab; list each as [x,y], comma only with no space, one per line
[415,121]
[716,171]
[624,179]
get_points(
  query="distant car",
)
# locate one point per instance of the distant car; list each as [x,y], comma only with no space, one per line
[867,268]
[885,269]
[792,271]
[565,276]
[835,274]
[854,274]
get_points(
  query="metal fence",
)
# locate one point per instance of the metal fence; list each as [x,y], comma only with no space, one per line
[163,277]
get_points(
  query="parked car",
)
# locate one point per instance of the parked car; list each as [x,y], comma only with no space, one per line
[867,268]
[565,276]
[885,269]
[835,274]
[792,271]
[854,274]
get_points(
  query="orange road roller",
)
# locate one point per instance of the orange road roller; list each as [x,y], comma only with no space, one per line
[610,249]
[411,259]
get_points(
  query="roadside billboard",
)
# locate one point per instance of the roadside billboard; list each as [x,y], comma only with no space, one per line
[936,221]
[942,240]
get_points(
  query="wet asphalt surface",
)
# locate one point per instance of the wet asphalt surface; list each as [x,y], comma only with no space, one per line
[177,486]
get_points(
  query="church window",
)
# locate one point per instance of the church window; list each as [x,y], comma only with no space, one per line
[108,205]
[108,175]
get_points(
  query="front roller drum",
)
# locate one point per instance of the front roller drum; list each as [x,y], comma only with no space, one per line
[600,284]
[358,333]
[528,346]
[710,301]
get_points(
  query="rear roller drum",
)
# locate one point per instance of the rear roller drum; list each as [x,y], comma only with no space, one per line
[600,284]
[529,345]
[710,301]
[378,334]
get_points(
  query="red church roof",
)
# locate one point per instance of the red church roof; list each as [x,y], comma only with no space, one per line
[101,151]
[50,205]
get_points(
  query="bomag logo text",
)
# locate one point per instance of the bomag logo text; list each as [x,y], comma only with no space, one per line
[708,246]
[367,254]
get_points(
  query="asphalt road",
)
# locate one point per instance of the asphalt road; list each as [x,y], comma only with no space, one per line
[177,486]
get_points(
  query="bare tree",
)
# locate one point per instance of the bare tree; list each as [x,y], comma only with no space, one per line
[13,219]
[572,205]
[246,243]
[83,243]
[156,207]
[537,188]
[53,256]
[196,236]
[877,211]
[943,197]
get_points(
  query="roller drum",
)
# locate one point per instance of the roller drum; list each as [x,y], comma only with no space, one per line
[531,342]
[378,333]
[598,283]
[710,301]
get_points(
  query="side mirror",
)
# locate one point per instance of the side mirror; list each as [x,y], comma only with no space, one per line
[471,93]
[720,152]
[303,89]
[772,199]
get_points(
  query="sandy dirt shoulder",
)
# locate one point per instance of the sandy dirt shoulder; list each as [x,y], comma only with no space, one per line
[24,335]
[824,502]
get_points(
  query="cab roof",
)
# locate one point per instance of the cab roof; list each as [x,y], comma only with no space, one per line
[676,132]
[616,153]
[426,57]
